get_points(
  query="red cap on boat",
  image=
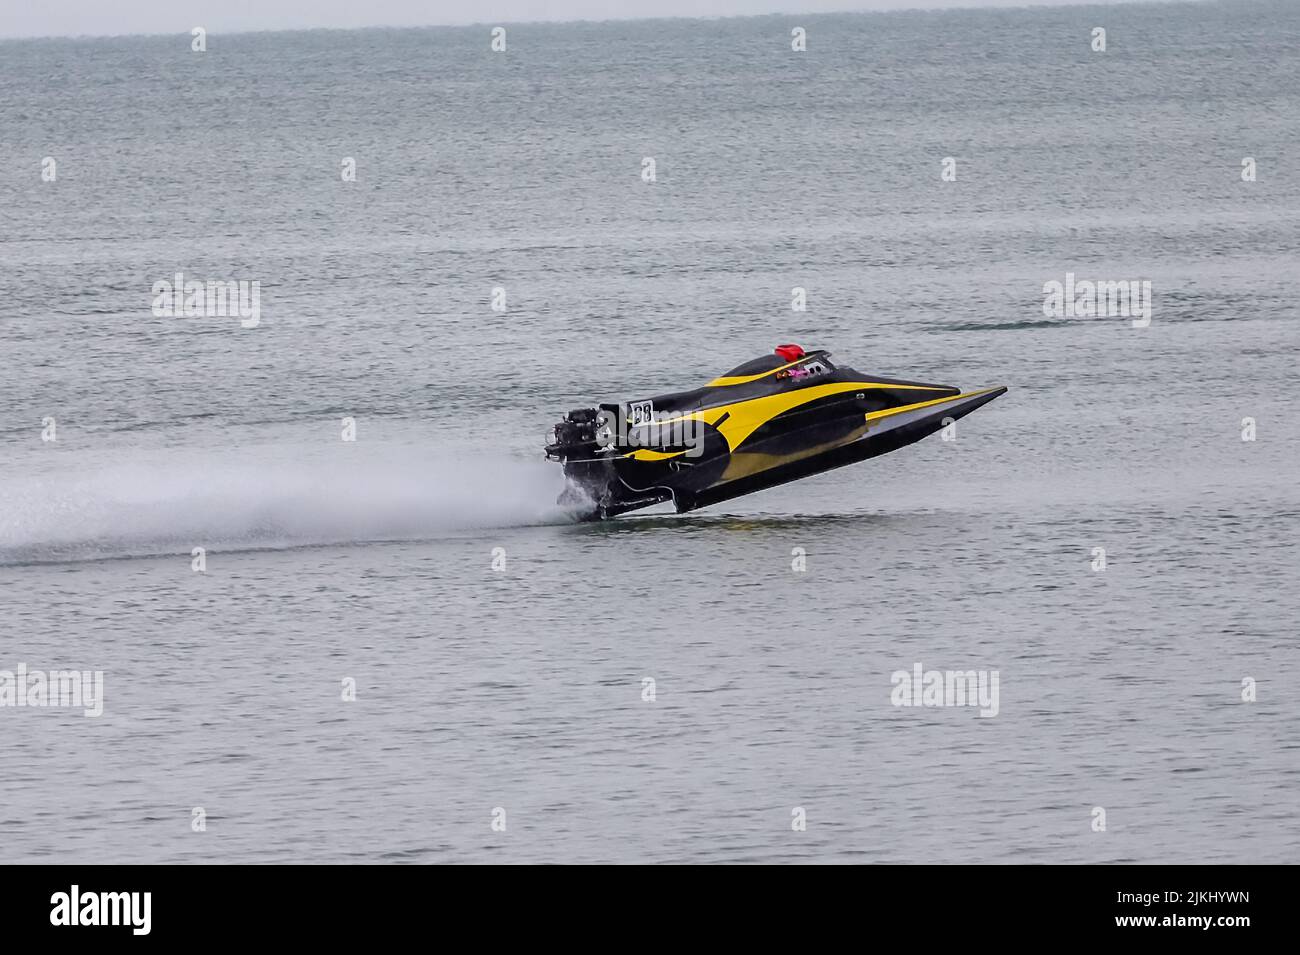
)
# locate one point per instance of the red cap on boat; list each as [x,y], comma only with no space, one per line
[790,352]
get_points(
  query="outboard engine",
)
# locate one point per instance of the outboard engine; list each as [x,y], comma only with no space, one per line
[589,474]
[575,436]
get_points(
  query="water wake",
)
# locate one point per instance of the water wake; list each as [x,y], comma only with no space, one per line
[174,502]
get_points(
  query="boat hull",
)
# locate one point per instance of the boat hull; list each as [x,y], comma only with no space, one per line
[766,423]
[895,429]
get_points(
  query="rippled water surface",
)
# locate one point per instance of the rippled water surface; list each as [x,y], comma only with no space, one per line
[522,687]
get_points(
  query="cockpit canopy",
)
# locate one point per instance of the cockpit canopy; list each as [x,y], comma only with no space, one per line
[765,363]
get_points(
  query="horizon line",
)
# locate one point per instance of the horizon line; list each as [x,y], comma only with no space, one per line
[904,6]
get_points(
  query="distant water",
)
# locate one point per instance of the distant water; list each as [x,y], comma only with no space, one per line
[522,688]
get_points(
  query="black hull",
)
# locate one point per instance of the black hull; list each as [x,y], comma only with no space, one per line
[868,447]
[766,423]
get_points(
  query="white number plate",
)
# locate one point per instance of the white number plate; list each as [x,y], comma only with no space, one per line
[640,412]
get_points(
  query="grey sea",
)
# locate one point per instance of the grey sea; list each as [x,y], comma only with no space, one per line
[399,649]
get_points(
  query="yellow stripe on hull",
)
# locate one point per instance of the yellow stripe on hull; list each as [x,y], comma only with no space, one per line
[745,463]
[645,454]
[746,379]
[877,415]
[743,418]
